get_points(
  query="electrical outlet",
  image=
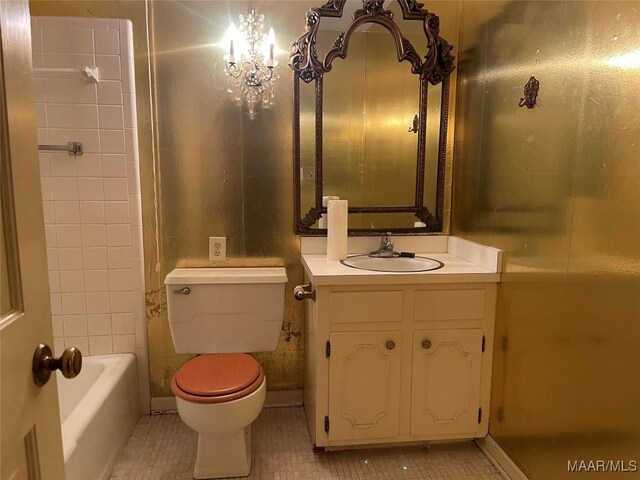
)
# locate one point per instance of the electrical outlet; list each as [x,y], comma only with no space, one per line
[217,249]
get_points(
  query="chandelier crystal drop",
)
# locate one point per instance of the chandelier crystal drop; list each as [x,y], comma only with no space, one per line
[250,66]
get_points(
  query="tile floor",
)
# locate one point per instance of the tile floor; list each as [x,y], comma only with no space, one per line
[163,448]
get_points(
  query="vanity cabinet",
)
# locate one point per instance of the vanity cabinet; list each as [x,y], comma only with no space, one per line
[398,363]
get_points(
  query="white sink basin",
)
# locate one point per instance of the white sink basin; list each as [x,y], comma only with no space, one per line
[393,264]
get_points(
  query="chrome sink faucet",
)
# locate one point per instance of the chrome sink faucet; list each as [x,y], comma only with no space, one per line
[386,248]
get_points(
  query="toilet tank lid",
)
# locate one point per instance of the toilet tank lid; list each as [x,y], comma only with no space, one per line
[226,275]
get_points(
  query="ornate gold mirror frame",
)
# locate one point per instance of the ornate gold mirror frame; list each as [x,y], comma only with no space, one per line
[434,68]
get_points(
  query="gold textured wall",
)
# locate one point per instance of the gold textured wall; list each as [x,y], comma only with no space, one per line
[558,188]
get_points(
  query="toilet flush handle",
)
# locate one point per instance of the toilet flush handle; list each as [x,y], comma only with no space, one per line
[183,291]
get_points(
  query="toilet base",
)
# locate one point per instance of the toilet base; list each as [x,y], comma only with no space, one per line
[223,456]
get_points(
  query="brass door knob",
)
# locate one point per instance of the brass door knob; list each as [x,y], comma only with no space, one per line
[390,345]
[69,363]
[426,344]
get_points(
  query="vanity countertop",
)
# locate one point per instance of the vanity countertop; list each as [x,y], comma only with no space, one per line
[456,270]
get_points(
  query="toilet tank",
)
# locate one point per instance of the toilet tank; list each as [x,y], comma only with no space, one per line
[225,310]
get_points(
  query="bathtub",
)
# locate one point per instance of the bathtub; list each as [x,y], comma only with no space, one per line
[99,409]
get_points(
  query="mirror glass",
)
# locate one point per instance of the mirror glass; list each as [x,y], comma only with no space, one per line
[370,127]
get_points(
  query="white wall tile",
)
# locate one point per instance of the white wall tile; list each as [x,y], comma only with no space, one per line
[128,117]
[38,60]
[136,242]
[114,166]
[133,178]
[52,258]
[138,273]
[119,257]
[109,92]
[42,135]
[45,164]
[111,116]
[109,67]
[58,346]
[36,40]
[40,89]
[131,144]
[92,212]
[112,141]
[83,91]
[75,325]
[59,115]
[120,280]
[96,280]
[100,345]
[114,24]
[118,236]
[94,236]
[46,187]
[81,40]
[68,236]
[98,302]
[67,212]
[135,211]
[55,40]
[58,329]
[116,189]
[122,323]
[107,42]
[85,116]
[116,212]
[81,343]
[56,304]
[90,188]
[87,22]
[49,212]
[89,165]
[73,303]
[41,115]
[95,258]
[54,22]
[50,236]
[72,281]
[65,188]
[122,302]
[124,344]
[54,281]
[63,165]
[99,324]
[55,60]
[81,60]
[70,258]
[58,90]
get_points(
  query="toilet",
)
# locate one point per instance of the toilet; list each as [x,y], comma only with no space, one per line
[221,314]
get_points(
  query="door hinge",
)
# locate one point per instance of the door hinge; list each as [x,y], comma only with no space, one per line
[479,415]
[484,343]
[326,423]
[327,349]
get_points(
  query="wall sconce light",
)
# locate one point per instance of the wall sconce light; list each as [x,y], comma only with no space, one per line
[250,65]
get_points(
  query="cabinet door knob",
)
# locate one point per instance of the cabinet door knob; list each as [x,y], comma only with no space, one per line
[426,344]
[390,345]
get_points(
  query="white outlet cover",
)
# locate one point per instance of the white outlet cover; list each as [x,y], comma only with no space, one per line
[217,249]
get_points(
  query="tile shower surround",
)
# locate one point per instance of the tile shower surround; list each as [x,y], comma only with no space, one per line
[92,205]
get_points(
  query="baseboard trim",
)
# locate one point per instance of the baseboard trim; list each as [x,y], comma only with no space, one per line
[275,398]
[283,398]
[494,452]
[163,404]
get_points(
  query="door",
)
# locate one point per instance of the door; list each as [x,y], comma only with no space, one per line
[445,388]
[30,439]
[364,385]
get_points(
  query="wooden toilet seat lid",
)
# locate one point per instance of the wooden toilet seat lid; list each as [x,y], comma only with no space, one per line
[219,375]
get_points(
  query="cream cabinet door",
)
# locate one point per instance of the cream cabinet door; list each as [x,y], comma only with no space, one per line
[364,385]
[445,387]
